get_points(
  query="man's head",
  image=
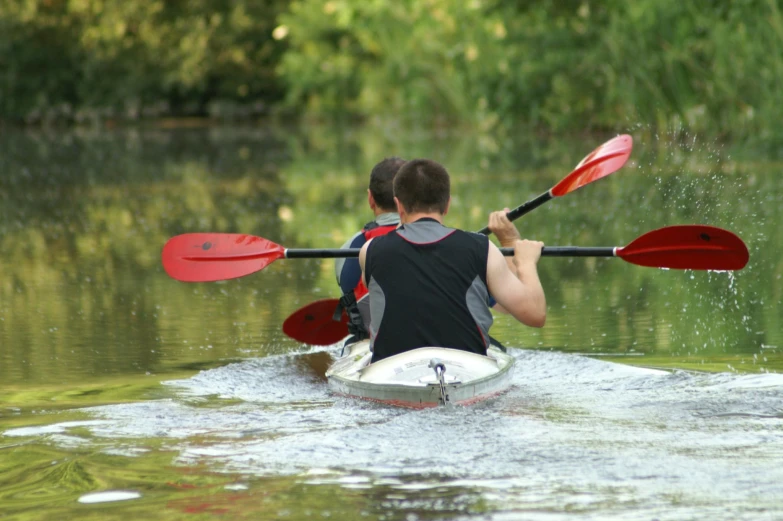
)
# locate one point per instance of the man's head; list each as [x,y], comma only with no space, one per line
[381,192]
[422,186]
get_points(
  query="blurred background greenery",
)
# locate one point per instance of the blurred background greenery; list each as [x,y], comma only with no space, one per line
[712,66]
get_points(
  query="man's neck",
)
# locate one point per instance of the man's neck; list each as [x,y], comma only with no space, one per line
[413,217]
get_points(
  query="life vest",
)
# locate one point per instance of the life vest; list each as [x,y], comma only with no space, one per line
[349,301]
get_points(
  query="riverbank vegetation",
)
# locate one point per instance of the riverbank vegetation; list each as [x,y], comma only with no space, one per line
[711,67]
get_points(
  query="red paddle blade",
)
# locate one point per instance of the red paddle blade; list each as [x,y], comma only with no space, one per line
[687,247]
[607,158]
[207,257]
[314,324]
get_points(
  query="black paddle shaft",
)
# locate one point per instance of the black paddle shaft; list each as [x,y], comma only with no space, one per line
[522,209]
[547,251]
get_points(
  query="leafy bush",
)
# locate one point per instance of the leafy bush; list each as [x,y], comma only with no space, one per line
[710,66]
[130,58]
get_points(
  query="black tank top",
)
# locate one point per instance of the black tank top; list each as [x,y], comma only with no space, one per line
[428,287]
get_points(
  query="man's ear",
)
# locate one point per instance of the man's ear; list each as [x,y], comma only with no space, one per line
[400,207]
[371,200]
[448,206]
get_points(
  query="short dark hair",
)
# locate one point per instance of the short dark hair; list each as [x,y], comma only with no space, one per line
[422,185]
[381,182]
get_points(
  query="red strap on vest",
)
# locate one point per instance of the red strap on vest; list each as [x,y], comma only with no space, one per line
[378,231]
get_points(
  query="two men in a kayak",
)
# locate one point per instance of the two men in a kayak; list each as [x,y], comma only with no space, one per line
[429,285]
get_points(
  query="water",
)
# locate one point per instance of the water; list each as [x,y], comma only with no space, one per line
[650,394]
[574,437]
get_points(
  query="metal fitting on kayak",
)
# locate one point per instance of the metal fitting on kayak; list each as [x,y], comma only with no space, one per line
[436,364]
[439,368]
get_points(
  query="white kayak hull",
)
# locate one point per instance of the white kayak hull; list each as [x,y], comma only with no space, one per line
[409,380]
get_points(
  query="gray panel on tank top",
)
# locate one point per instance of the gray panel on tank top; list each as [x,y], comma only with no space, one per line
[424,232]
[364,310]
[377,307]
[476,299]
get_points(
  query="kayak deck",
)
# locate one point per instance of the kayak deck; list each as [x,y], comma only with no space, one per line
[410,379]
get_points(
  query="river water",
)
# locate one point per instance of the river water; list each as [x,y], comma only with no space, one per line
[650,394]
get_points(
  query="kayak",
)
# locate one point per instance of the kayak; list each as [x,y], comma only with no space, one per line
[420,378]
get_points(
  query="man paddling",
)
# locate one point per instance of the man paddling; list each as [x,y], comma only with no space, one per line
[380,197]
[429,285]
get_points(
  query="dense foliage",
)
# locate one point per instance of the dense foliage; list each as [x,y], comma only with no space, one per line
[710,66]
[78,59]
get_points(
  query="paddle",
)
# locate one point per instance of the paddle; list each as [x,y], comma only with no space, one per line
[207,257]
[314,324]
[604,160]
[607,158]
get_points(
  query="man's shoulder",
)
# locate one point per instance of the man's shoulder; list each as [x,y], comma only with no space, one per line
[381,241]
[478,243]
[356,241]
[474,236]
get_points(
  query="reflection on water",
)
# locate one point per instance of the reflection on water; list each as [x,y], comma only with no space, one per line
[119,379]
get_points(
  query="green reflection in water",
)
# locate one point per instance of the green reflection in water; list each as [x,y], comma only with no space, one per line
[84,217]
[39,482]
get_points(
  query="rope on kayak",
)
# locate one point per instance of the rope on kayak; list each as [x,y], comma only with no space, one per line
[440,369]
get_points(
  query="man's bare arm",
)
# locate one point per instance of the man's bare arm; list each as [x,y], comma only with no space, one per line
[520,293]
[508,235]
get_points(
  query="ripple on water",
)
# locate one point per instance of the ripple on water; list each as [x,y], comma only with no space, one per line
[572,430]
